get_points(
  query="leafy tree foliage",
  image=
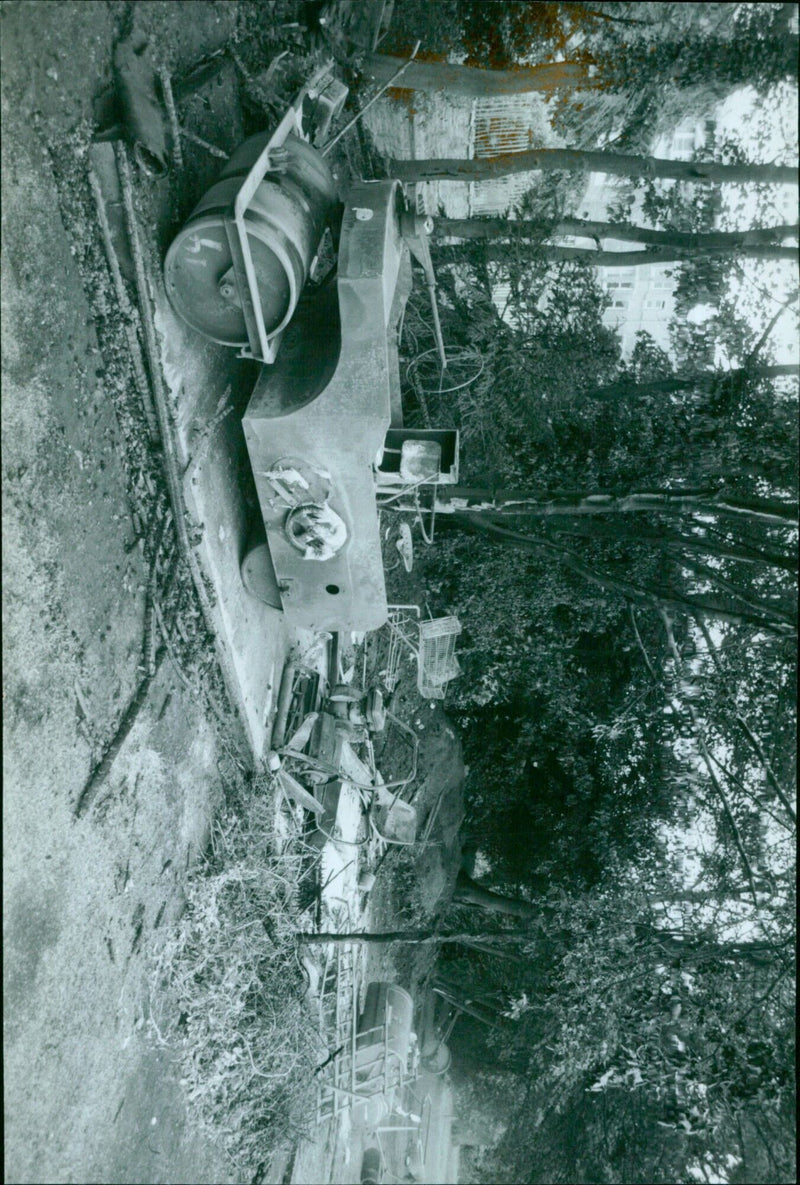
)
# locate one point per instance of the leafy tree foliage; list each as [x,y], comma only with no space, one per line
[590,733]
[628,701]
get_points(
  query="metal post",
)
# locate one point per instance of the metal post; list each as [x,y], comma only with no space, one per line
[374,99]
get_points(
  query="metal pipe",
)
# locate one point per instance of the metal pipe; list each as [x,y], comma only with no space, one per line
[437,325]
[284,702]
[374,99]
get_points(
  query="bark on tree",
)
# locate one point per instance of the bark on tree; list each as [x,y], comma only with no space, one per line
[469,892]
[626,232]
[704,380]
[502,253]
[476,83]
[474,501]
[414,937]
[571,159]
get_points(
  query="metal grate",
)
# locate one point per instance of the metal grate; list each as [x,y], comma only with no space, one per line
[437,663]
[365,1067]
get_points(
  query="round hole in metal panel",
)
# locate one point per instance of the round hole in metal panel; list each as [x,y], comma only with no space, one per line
[333,589]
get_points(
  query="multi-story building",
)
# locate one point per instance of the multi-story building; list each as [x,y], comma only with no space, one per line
[642,296]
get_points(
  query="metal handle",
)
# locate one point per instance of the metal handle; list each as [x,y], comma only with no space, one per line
[239,243]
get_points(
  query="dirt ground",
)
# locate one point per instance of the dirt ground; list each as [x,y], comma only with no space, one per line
[87,1095]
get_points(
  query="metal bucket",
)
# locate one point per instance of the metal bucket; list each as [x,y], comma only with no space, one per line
[370,1111]
[257,571]
[438,1061]
[371,1167]
[285,219]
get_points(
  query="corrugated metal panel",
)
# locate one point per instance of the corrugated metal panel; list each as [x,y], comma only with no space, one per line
[503,123]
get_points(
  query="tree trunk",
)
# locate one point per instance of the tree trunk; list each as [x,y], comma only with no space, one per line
[487,949]
[475,83]
[469,892]
[695,951]
[471,1007]
[475,501]
[703,380]
[752,739]
[705,573]
[504,252]
[571,159]
[649,596]
[531,228]
[668,539]
[663,899]
[413,937]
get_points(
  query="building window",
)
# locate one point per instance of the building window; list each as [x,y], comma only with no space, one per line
[613,275]
[683,142]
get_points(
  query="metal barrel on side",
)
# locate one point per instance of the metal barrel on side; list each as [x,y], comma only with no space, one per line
[285,222]
[386,1021]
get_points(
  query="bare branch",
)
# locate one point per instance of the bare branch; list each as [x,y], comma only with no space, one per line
[649,665]
[755,743]
[710,574]
[751,357]
[715,782]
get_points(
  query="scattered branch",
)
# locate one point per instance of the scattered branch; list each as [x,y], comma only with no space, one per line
[129,717]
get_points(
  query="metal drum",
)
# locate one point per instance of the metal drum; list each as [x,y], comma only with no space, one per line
[285,220]
[386,1021]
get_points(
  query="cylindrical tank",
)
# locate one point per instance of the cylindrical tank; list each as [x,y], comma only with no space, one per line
[285,221]
[386,1002]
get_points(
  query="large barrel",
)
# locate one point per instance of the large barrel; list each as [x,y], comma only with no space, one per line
[387,1016]
[285,221]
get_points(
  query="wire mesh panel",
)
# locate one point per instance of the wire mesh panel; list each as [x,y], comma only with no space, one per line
[400,623]
[437,663]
